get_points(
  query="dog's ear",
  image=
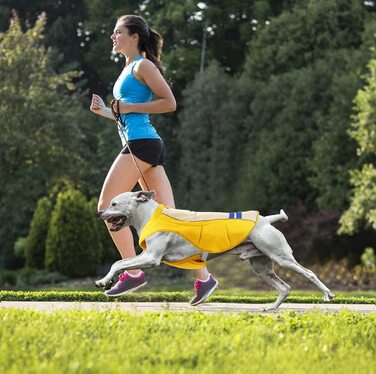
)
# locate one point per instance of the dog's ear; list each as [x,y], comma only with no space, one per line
[142,196]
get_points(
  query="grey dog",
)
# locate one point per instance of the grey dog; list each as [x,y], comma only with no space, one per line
[136,209]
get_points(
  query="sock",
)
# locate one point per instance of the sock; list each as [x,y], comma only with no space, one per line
[137,275]
[205,279]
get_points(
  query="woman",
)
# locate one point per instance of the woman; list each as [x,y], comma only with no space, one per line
[141,78]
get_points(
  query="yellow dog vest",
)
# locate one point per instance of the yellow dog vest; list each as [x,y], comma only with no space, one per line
[210,232]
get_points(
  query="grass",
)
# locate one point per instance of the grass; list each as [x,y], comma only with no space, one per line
[117,342]
[172,297]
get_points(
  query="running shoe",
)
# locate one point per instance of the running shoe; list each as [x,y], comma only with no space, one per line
[203,290]
[127,283]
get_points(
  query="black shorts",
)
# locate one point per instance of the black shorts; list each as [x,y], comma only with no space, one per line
[151,151]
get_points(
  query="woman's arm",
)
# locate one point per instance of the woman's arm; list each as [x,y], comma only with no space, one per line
[98,107]
[148,73]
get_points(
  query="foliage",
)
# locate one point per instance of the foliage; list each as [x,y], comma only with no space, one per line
[303,67]
[67,341]
[72,244]
[362,210]
[61,25]
[78,296]
[368,259]
[28,277]
[264,126]
[40,137]
[8,278]
[35,246]
[203,141]
[109,253]
[19,248]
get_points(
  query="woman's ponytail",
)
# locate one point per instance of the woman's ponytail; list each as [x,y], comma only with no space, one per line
[153,48]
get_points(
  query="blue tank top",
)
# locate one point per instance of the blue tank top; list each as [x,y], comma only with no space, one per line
[130,90]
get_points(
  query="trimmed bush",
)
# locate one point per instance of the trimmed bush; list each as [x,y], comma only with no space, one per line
[35,245]
[72,245]
[98,296]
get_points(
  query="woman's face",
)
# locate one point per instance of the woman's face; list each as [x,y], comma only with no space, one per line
[122,42]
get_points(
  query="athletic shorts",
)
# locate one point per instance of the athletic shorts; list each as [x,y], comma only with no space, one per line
[151,151]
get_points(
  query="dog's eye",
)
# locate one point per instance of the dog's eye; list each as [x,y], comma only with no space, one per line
[113,204]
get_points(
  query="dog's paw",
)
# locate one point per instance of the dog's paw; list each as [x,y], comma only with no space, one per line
[104,285]
[269,309]
[108,285]
[329,296]
[98,284]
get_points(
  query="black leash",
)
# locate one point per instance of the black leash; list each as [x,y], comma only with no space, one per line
[119,123]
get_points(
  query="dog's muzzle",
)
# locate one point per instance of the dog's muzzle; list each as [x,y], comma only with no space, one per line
[116,222]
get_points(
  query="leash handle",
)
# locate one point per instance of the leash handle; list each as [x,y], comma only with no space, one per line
[118,121]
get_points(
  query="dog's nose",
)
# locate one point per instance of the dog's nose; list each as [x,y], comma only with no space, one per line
[99,214]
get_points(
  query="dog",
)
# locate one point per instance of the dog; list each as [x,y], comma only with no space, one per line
[253,238]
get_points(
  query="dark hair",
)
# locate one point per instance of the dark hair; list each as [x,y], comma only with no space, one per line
[150,41]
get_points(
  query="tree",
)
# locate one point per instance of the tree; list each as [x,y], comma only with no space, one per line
[302,66]
[63,17]
[202,139]
[73,245]
[41,136]
[362,210]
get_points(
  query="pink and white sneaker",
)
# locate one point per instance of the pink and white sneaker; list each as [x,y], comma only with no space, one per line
[127,283]
[203,290]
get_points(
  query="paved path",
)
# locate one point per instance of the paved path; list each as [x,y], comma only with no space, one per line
[138,307]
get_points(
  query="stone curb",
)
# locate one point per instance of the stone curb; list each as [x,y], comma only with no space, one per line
[141,307]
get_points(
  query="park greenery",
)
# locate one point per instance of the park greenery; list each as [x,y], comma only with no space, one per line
[222,297]
[278,110]
[104,341]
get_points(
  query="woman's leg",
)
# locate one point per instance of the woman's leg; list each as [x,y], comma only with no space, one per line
[122,177]
[158,181]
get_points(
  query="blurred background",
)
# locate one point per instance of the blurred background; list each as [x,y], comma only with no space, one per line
[276,109]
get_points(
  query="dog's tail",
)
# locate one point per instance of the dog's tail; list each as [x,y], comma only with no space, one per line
[282,216]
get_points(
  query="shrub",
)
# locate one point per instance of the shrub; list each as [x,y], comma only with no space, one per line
[35,245]
[368,259]
[110,253]
[20,248]
[72,245]
[8,278]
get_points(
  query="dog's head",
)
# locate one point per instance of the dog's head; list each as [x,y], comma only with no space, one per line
[122,207]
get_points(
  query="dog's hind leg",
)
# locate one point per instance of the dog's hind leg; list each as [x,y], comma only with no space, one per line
[310,275]
[272,243]
[264,268]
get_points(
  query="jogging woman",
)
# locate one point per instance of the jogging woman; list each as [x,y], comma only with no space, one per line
[141,79]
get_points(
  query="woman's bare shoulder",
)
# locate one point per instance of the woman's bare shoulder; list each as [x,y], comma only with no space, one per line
[145,65]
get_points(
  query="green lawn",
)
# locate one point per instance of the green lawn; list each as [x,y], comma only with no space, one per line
[120,342]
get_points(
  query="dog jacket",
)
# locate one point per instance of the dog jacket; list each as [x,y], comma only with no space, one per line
[209,232]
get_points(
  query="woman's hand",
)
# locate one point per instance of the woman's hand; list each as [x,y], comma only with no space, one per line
[97,105]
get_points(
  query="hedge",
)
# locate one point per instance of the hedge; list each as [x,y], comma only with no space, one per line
[168,297]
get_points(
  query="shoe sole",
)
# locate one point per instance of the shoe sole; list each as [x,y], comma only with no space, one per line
[128,291]
[206,296]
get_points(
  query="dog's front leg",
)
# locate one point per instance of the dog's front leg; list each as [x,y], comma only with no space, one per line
[156,245]
[147,259]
